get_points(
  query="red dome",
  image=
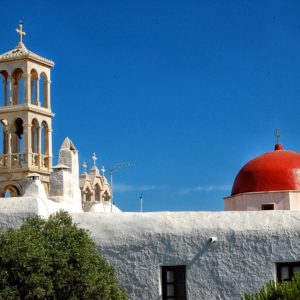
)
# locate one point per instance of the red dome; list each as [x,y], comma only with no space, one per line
[272,171]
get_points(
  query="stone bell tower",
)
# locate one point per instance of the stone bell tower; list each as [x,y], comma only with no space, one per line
[25,118]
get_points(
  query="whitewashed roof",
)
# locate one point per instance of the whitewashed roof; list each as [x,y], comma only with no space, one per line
[21,52]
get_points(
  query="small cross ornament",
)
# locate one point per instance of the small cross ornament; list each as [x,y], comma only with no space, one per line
[20,32]
[103,171]
[94,158]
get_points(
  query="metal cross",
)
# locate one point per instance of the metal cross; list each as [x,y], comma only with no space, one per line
[20,31]
[84,165]
[277,135]
[94,158]
[103,171]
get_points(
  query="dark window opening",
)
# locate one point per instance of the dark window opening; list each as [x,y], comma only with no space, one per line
[285,271]
[267,207]
[173,282]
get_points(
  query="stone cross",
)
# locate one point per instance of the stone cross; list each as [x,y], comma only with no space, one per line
[84,165]
[103,171]
[277,135]
[20,31]
[94,158]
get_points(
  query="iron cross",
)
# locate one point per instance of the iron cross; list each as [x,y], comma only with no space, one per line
[277,135]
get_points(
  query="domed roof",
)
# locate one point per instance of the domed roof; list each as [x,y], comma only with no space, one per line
[272,171]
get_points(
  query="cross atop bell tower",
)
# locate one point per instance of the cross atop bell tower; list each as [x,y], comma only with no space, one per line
[25,118]
[21,33]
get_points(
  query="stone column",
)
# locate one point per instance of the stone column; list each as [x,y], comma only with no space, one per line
[47,94]
[48,151]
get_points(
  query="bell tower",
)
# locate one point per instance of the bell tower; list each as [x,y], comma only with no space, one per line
[25,118]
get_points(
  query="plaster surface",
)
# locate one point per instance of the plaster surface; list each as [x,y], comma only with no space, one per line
[282,200]
[243,259]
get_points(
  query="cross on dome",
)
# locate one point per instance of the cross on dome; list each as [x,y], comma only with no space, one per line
[20,32]
[277,135]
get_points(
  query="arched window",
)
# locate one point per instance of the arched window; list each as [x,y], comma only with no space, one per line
[88,195]
[4,88]
[10,191]
[44,136]
[3,143]
[18,87]
[3,136]
[97,192]
[34,86]
[44,145]
[106,196]
[34,136]
[44,90]
[17,143]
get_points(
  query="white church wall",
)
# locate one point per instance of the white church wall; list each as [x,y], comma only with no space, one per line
[244,257]
[282,200]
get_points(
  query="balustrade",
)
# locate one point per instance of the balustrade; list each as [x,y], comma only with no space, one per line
[17,160]
[3,161]
[35,159]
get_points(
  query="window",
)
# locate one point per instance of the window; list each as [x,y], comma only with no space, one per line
[267,206]
[173,283]
[285,271]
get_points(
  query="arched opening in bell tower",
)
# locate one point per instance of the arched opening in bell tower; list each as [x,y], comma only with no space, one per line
[45,144]
[34,86]
[17,87]
[17,144]
[3,143]
[35,141]
[10,191]
[43,90]
[4,88]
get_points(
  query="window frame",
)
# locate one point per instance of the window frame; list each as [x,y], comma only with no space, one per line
[179,273]
[290,266]
[267,206]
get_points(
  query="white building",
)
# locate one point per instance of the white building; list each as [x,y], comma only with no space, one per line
[165,255]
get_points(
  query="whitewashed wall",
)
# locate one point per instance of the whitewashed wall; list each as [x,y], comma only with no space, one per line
[249,244]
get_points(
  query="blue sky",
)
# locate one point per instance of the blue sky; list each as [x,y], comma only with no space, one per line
[187,90]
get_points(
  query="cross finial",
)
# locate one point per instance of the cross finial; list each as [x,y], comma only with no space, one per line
[20,32]
[103,171]
[277,135]
[84,165]
[94,158]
